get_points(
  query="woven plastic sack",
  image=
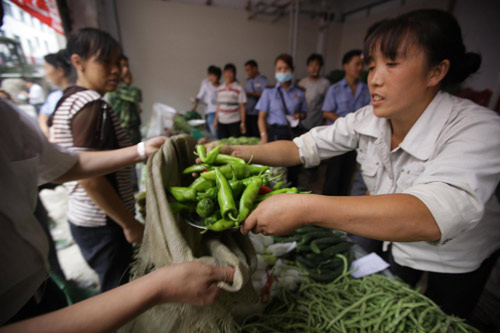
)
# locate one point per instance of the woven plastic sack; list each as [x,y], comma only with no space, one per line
[169,240]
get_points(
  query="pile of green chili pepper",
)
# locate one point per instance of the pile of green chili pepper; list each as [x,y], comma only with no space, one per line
[374,303]
[316,252]
[226,191]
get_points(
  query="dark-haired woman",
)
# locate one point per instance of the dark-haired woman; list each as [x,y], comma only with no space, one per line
[231,98]
[100,210]
[59,72]
[430,160]
[281,108]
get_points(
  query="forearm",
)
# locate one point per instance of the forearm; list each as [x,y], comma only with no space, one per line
[242,112]
[98,163]
[391,217]
[104,195]
[42,123]
[278,153]
[216,118]
[103,313]
[196,102]
[330,116]
[262,125]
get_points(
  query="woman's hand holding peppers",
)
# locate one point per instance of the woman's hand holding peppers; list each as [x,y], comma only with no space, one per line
[277,215]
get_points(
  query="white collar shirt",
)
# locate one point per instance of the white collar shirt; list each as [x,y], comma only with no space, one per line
[450,160]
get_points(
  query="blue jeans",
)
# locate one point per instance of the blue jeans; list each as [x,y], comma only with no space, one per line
[209,118]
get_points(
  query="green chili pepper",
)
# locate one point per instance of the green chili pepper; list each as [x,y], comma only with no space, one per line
[201,184]
[221,225]
[257,170]
[213,218]
[178,207]
[196,168]
[225,197]
[283,190]
[240,170]
[201,151]
[237,187]
[205,207]
[277,186]
[183,194]
[211,193]
[249,180]
[222,159]
[212,155]
[248,199]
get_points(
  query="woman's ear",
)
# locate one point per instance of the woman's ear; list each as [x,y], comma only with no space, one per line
[77,62]
[438,72]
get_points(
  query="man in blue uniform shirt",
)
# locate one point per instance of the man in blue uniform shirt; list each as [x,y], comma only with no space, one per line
[254,86]
[342,98]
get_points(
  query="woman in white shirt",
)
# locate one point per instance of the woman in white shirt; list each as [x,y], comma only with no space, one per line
[430,160]
[231,98]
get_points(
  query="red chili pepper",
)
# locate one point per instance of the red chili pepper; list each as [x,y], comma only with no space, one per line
[265,293]
[265,189]
[205,170]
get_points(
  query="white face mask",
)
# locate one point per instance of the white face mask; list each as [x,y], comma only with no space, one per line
[283,77]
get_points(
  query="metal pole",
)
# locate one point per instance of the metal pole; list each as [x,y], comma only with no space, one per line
[295,30]
[290,27]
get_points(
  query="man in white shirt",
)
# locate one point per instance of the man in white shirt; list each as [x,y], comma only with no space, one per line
[208,95]
[315,89]
[35,94]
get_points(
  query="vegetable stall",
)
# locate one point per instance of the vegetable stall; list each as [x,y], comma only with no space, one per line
[302,281]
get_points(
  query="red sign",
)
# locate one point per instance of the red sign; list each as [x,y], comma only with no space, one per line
[44,10]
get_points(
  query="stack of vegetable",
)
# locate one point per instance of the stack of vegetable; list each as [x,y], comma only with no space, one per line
[374,303]
[242,140]
[226,192]
[317,250]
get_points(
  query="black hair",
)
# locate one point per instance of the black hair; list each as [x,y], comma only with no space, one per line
[286,58]
[252,63]
[61,60]
[214,70]
[315,57]
[123,57]
[435,31]
[230,67]
[88,42]
[349,55]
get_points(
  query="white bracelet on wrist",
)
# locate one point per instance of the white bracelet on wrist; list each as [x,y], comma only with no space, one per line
[141,150]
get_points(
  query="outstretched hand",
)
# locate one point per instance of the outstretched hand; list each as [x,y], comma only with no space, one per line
[153,144]
[192,282]
[277,215]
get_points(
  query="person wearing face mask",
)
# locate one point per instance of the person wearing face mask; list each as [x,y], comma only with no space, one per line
[281,108]
[315,87]
[343,98]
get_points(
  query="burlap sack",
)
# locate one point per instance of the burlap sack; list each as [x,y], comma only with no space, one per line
[169,240]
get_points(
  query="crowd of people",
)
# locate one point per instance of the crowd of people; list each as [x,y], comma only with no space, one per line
[286,110]
[435,210]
